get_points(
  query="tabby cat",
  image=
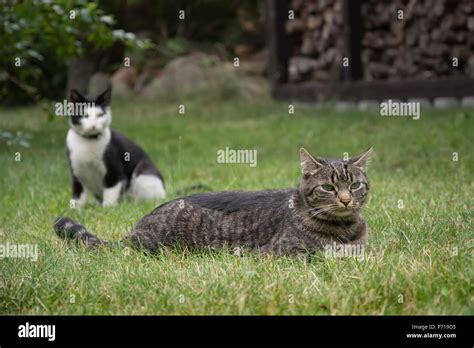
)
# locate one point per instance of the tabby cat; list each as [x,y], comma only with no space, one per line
[324,209]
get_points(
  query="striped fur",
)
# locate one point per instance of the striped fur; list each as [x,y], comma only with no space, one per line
[294,221]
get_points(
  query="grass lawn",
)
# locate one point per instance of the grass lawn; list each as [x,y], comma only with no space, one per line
[419,259]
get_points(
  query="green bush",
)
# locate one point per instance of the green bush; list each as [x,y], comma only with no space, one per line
[38,37]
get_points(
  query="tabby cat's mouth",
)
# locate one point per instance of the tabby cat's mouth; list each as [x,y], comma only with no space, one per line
[342,212]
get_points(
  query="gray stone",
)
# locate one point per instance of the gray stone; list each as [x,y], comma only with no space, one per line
[468,102]
[424,102]
[122,90]
[445,102]
[343,105]
[181,76]
[123,81]
[124,75]
[366,105]
[253,67]
[197,74]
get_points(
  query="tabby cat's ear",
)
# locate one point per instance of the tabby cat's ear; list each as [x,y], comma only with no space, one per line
[104,98]
[75,96]
[361,161]
[309,164]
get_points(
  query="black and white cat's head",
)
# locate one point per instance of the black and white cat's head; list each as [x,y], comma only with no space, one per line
[92,116]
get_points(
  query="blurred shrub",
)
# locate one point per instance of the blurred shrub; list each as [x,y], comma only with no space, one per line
[44,35]
[205,20]
[38,37]
[213,26]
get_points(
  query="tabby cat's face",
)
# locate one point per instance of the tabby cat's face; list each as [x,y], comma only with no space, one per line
[333,187]
[95,117]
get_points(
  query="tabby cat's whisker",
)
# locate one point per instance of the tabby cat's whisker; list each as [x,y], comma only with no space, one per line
[314,208]
[320,211]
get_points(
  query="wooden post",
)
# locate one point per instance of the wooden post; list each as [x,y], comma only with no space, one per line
[352,39]
[278,48]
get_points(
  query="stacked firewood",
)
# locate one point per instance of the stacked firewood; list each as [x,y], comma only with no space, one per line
[417,39]
[316,38]
[402,39]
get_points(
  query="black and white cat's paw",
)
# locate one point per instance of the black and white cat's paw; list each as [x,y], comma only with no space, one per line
[111,195]
[80,201]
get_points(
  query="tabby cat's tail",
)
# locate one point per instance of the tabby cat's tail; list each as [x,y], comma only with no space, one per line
[66,228]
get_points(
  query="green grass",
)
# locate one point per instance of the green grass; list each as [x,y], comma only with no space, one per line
[412,252]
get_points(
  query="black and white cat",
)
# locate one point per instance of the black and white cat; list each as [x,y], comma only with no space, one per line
[103,161]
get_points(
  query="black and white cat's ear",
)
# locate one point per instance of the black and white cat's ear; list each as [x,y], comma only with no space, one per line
[362,161]
[104,98]
[309,164]
[75,96]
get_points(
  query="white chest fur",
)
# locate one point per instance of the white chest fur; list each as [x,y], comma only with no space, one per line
[86,156]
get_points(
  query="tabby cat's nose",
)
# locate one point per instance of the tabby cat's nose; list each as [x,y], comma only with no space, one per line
[345,197]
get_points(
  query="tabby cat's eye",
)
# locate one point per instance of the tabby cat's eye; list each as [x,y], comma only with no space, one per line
[328,187]
[355,185]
